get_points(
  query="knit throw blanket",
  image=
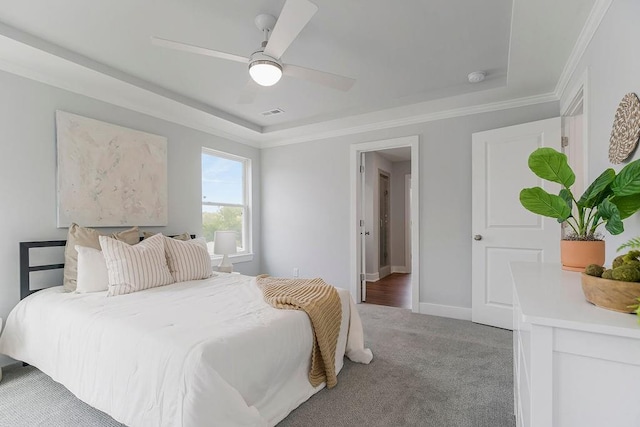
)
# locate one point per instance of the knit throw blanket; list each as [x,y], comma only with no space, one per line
[322,304]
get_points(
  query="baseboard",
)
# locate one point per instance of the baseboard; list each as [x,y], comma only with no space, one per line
[398,269]
[372,277]
[441,310]
[384,271]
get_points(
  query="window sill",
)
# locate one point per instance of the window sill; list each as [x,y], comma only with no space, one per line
[235,259]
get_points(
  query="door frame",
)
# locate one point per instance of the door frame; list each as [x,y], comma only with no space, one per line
[377,207]
[357,212]
[579,94]
[407,223]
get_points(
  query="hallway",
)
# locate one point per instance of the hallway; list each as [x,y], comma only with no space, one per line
[393,291]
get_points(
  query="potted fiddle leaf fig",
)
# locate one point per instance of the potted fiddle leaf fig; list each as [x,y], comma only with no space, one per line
[609,200]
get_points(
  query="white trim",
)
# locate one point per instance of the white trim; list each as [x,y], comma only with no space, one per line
[247,189]
[355,211]
[235,259]
[571,98]
[398,269]
[407,223]
[415,119]
[385,271]
[598,12]
[453,312]
[579,93]
[372,277]
[157,102]
[38,59]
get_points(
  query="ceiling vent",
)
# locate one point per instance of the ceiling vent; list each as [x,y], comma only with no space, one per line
[272,112]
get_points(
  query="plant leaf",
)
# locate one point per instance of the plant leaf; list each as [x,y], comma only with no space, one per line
[628,180]
[627,205]
[540,202]
[566,195]
[552,165]
[610,213]
[598,190]
[632,244]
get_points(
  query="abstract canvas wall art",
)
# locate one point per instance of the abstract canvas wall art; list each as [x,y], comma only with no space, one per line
[108,175]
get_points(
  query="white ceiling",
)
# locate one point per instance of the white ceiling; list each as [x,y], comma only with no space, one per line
[405,56]
[399,154]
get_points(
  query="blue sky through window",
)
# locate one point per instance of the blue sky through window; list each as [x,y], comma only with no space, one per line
[221,180]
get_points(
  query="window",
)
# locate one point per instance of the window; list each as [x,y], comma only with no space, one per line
[225,197]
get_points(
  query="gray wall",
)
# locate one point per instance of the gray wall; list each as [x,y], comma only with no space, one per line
[306,203]
[28,167]
[613,70]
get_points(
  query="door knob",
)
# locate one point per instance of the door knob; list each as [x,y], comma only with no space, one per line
[477,237]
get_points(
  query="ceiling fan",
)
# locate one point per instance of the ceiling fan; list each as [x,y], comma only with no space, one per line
[265,67]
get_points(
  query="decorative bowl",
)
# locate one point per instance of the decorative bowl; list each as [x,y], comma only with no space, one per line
[613,295]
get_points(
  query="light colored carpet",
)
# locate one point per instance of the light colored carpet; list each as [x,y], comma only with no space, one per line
[426,371]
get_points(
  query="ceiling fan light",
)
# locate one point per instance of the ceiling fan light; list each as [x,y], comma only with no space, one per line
[265,72]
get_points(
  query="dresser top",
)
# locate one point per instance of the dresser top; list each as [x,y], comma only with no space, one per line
[550,296]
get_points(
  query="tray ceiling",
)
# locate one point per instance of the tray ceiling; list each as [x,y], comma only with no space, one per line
[401,56]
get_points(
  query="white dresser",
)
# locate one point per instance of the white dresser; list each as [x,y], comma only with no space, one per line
[574,364]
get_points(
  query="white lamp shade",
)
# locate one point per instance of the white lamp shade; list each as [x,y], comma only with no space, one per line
[224,243]
[265,73]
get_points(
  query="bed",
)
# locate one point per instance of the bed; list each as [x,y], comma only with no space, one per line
[194,353]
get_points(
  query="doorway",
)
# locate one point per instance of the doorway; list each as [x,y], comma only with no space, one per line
[384,202]
[382,243]
[393,290]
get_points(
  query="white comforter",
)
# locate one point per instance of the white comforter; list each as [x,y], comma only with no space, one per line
[201,353]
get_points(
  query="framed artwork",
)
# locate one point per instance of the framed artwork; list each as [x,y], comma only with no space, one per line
[108,175]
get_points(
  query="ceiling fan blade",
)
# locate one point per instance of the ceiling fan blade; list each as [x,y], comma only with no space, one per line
[320,77]
[294,16]
[197,49]
[248,93]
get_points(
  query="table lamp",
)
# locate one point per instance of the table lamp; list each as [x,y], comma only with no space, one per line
[225,245]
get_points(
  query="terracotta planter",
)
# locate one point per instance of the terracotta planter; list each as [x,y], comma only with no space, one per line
[577,254]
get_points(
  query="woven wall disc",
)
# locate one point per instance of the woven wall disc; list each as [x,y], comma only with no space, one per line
[626,129]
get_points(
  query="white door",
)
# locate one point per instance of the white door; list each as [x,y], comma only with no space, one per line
[503,231]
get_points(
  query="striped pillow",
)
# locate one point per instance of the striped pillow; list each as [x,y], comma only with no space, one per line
[188,260]
[135,268]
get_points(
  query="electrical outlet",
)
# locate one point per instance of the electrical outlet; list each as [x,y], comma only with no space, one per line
[296,272]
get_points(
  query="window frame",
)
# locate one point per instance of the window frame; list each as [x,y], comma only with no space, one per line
[247,235]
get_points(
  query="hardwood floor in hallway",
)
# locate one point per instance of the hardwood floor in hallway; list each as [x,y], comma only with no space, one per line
[393,290]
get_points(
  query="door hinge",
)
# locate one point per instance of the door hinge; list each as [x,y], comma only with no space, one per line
[564,141]
[362,277]
[362,223]
[361,168]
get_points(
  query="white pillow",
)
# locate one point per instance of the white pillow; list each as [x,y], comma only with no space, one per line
[92,270]
[135,268]
[188,259]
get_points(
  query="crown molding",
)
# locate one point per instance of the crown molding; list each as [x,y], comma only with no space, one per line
[415,119]
[37,59]
[598,12]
